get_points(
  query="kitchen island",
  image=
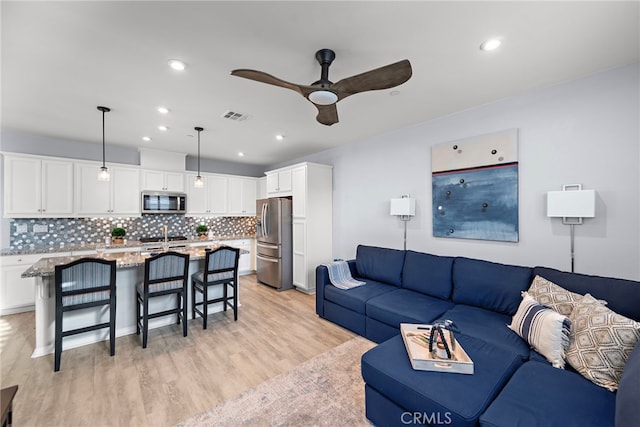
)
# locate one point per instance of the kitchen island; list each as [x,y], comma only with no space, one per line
[129,271]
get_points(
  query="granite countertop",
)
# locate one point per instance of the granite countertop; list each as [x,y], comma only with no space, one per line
[46,266]
[128,244]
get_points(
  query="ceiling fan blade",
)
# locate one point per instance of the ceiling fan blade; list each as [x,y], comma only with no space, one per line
[381,78]
[263,77]
[327,114]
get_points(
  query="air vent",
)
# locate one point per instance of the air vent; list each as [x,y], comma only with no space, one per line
[235,116]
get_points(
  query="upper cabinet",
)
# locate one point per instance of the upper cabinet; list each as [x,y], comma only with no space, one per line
[279,183]
[119,196]
[211,198]
[49,187]
[161,181]
[242,196]
[35,187]
[261,188]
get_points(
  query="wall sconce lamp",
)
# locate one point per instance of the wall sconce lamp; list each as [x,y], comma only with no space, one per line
[572,204]
[404,208]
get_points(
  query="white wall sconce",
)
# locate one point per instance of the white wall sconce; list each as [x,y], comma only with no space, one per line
[404,208]
[572,204]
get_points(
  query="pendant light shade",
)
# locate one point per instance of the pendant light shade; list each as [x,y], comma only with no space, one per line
[198,182]
[103,174]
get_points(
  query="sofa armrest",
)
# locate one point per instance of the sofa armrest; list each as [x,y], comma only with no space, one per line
[352,267]
[322,279]
[627,408]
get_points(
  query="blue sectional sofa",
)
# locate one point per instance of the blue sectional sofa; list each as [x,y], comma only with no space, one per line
[512,384]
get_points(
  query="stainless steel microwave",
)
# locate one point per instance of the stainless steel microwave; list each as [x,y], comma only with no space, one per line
[163,202]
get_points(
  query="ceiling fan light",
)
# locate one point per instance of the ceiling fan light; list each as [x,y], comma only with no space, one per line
[323,97]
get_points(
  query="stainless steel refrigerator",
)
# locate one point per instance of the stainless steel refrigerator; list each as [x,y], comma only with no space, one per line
[274,248]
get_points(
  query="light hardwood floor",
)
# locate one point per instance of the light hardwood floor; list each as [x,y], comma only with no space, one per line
[174,377]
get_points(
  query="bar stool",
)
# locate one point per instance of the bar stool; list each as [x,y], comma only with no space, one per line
[85,283]
[164,274]
[220,268]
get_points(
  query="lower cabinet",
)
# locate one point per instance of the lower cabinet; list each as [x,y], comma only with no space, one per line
[246,264]
[17,294]
[301,279]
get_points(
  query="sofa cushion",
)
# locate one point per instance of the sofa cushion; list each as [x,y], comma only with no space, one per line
[489,285]
[405,306]
[546,330]
[428,274]
[622,296]
[487,325]
[462,398]
[380,264]
[356,298]
[541,395]
[601,342]
[627,408]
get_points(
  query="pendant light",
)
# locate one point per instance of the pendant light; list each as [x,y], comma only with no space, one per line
[198,182]
[103,175]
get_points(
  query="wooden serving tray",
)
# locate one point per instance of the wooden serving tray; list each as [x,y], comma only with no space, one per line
[416,341]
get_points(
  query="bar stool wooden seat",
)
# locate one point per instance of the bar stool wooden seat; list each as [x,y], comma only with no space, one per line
[82,284]
[164,274]
[220,268]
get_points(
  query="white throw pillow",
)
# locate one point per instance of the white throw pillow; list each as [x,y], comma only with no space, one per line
[546,330]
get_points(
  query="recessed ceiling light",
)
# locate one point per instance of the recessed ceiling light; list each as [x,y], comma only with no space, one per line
[491,44]
[146,138]
[177,64]
[163,128]
[163,110]
[279,137]
[241,154]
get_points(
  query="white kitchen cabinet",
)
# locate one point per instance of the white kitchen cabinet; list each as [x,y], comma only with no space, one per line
[118,196]
[279,183]
[162,181]
[242,196]
[246,264]
[300,273]
[35,187]
[312,211]
[299,192]
[261,192]
[17,294]
[211,198]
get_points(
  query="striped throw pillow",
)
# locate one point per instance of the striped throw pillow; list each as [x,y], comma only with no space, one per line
[546,330]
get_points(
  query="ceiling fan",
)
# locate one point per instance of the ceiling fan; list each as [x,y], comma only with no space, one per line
[324,94]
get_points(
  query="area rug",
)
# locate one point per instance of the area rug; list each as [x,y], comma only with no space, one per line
[326,390]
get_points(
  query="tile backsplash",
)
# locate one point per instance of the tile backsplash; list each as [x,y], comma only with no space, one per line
[27,233]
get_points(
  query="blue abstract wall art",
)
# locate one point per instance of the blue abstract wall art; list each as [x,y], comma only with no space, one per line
[475,188]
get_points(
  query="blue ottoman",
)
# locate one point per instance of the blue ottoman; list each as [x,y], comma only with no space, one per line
[396,394]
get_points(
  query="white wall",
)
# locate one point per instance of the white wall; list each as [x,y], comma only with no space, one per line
[584,131]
